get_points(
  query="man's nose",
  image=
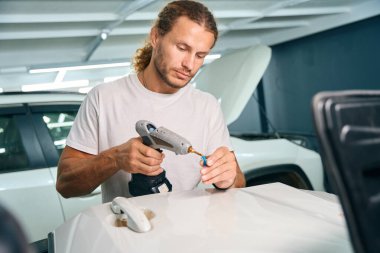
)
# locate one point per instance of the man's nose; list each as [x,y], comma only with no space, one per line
[188,62]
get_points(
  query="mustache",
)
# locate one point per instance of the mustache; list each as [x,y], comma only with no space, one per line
[185,71]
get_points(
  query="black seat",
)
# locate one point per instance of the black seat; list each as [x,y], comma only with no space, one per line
[348,128]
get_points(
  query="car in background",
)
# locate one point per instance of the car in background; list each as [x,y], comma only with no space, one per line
[33,130]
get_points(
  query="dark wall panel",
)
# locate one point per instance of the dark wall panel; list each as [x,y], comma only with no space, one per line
[249,120]
[347,57]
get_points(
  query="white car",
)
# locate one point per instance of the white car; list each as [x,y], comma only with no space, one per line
[266,218]
[33,130]
[34,126]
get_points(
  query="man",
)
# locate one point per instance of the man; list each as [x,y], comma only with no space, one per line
[97,151]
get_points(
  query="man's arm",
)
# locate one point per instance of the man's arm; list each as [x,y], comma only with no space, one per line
[240,178]
[222,170]
[79,173]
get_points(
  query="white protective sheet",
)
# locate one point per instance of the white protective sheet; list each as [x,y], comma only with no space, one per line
[266,218]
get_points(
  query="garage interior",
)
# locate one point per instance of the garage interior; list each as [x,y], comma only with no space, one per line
[73,46]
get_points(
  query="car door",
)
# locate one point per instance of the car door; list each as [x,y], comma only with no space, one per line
[53,123]
[27,187]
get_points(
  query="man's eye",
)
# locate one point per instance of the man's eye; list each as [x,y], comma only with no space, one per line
[201,56]
[181,48]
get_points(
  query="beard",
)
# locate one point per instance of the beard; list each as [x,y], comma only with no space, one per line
[163,71]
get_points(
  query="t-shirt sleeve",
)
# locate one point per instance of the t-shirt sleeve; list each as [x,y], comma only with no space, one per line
[83,135]
[218,132]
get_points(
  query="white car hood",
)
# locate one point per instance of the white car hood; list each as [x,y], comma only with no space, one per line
[265,218]
[233,78]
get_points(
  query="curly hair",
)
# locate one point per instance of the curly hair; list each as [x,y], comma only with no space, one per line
[195,11]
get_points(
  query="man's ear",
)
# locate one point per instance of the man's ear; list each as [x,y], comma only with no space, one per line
[154,36]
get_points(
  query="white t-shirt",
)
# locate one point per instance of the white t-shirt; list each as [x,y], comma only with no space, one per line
[108,115]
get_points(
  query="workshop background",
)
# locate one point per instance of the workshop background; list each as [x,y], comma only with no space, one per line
[47,45]
[72,46]
[343,58]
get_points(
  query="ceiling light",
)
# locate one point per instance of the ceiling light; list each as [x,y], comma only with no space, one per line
[54,86]
[60,76]
[95,66]
[212,56]
[103,35]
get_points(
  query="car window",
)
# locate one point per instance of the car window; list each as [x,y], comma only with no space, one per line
[12,153]
[59,125]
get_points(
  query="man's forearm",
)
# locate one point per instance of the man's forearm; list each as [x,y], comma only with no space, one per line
[78,176]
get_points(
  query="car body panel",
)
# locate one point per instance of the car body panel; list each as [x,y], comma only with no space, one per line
[233,78]
[32,198]
[311,163]
[73,206]
[265,218]
[252,155]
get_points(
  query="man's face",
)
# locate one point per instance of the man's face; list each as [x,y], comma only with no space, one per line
[179,54]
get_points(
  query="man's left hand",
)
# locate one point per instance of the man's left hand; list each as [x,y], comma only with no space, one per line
[221,169]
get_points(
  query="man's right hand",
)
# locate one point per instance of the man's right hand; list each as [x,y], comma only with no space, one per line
[79,173]
[135,157]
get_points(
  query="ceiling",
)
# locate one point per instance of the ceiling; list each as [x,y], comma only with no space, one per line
[39,34]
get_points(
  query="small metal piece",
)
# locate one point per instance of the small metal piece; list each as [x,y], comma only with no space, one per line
[191,150]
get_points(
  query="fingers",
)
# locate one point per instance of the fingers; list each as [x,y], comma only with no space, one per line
[221,173]
[150,152]
[135,157]
[150,161]
[147,162]
[138,166]
[220,153]
[221,168]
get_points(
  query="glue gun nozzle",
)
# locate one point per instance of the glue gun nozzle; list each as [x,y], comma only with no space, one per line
[191,150]
[204,159]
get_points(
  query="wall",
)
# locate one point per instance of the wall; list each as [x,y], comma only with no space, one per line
[344,58]
[347,57]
